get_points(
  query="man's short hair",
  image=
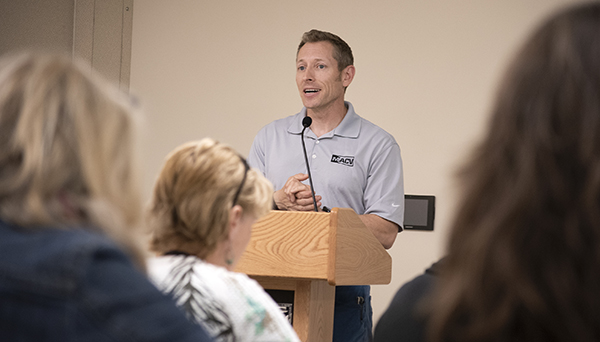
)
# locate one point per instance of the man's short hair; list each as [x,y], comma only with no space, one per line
[341,50]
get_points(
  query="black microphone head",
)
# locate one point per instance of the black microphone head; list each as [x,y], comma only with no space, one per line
[307,121]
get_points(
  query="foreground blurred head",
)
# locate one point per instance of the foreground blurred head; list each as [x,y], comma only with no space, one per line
[523,251]
[66,148]
[203,195]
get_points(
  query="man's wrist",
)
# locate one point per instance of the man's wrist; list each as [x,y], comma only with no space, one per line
[275,206]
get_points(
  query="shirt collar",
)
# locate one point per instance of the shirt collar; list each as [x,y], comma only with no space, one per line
[349,127]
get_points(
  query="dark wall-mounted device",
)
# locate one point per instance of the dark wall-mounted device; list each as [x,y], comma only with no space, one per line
[419,212]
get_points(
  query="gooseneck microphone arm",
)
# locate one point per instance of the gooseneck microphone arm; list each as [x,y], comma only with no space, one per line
[306,122]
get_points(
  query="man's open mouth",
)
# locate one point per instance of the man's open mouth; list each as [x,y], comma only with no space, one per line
[311,91]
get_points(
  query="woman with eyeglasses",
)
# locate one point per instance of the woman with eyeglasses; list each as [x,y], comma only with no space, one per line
[205,201]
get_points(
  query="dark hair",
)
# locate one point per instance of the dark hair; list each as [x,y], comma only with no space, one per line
[341,50]
[524,248]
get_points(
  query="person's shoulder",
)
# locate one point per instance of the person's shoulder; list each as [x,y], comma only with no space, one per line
[280,124]
[58,242]
[436,267]
[226,287]
[159,267]
[51,260]
[404,314]
[374,131]
[239,281]
[88,243]
[242,278]
[420,285]
[215,277]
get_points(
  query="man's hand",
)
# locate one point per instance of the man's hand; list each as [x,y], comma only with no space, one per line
[295,195]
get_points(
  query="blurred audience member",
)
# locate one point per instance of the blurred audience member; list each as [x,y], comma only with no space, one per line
[70,269]
[523,250]
[404,312]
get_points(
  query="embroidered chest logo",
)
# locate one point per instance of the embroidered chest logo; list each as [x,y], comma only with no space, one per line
[344,160]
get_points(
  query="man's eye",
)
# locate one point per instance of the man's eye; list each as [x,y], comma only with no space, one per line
[321,66]
[301,68]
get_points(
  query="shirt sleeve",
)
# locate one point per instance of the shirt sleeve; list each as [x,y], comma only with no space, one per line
[256,157]
[121,302]
[384,192]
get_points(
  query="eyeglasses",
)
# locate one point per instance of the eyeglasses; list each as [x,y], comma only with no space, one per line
[237,193]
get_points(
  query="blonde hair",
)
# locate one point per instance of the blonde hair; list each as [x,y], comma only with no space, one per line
[194,193]
[66,148]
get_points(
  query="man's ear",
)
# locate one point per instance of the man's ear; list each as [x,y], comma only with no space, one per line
[235,216]
[348,75]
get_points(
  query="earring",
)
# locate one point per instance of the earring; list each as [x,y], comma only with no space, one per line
[229,256]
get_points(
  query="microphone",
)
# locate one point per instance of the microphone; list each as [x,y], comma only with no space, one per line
[306,122]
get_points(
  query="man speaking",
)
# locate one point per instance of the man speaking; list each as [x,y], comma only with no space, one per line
[354,163]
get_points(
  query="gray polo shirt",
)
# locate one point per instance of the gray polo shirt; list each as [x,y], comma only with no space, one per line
[357,165]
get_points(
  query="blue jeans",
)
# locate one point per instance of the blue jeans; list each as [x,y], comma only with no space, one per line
[353,316]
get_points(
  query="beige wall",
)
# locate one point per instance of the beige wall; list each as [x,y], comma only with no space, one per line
[99,32]
[45,25]
[426,72]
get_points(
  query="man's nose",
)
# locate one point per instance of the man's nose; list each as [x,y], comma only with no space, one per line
[308,75]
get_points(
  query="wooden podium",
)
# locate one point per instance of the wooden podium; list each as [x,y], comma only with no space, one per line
[309,253]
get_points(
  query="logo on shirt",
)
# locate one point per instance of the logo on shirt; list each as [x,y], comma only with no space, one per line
[344,160]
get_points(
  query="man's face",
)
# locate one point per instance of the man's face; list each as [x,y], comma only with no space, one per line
[319,82]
